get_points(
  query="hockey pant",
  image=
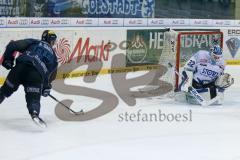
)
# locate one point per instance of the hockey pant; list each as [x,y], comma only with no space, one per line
[31,79]
[211,86]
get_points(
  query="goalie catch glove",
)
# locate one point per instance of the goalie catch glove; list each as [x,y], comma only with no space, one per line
[224,81]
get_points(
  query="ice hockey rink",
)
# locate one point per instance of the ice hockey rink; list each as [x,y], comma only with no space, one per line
[212,134]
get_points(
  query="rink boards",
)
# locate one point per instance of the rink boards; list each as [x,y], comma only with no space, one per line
[77,48]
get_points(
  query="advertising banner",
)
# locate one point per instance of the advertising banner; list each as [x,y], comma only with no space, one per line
[85,43]
[119,8]
[88,8]
[80,22]
[17,22]
[231,46]
[111,22]
[133,22]
[74,46]
[144,46]
[158,22]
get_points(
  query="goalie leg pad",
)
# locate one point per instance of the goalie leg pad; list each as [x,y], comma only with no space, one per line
[187,77]
[206,95]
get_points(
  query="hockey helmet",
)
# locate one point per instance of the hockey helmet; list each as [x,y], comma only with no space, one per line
[49,36]
[216,52]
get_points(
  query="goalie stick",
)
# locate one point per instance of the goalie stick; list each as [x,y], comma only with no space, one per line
[200,99]
[81,112]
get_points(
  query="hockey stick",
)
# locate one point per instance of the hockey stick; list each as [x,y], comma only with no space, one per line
[200,99]
[74,112]
[195,93]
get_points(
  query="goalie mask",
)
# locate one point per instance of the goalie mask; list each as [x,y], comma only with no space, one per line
[216,53]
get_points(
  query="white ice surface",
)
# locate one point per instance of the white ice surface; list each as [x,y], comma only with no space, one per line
[213,134]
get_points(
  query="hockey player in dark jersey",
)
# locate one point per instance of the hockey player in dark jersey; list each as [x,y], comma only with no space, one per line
[35,69]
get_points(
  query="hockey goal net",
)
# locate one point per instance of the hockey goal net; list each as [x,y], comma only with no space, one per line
[178,47]
[191,42]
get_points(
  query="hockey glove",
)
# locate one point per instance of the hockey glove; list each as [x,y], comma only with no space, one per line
[46,91]
[224,81]
[8,64]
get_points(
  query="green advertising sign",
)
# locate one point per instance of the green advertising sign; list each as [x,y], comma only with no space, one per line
[144,46]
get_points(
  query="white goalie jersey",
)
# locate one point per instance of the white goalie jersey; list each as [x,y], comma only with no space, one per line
[205,69]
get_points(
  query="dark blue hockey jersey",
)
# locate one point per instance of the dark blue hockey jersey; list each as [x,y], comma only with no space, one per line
[37,53]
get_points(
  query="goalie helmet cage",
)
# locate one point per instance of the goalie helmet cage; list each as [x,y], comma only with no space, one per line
[207,39]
